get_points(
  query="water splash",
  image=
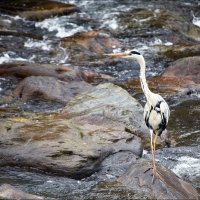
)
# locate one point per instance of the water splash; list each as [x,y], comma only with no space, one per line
[44,44]
[61,26]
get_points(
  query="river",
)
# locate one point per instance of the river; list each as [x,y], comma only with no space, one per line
[184,124]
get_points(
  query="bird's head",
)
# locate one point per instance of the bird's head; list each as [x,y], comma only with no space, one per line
[130,54]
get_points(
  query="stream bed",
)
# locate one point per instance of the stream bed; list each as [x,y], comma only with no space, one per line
[43,45]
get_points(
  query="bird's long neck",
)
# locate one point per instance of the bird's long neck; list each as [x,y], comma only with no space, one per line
[143,81]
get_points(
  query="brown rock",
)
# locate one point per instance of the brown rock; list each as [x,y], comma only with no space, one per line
[35,9]
[9,192]
[185,68]
[26,69]
[86,46]
[181,76]
[166,186]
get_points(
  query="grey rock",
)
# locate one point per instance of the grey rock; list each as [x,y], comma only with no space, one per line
[49,88]
[76,141]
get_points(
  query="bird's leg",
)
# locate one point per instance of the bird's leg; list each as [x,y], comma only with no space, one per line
[153,155]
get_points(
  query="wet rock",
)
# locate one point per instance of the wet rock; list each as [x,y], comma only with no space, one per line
[185,68]
[113,102]
[49,88]
[182,77]
[26,69]
[88,46]
[168,186]
[94,125]
[181,50]
[9,192]
[35,9]
[151,19]
[184,161]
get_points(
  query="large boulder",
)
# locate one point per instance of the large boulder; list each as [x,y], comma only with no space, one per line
[49,88]
[185,68]
[36,10]
[89,46]
[181,77]
[94,125]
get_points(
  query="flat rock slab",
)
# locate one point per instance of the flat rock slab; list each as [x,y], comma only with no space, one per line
[35,9]
[75,142]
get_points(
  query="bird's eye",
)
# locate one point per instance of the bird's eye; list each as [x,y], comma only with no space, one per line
[134,52]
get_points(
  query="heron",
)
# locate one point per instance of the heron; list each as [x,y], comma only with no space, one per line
[156,109]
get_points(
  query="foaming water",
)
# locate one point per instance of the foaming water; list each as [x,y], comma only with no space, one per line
[61,26]
[44,45]
[10,57]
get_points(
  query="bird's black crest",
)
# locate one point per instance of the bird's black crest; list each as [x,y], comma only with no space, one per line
[135,52]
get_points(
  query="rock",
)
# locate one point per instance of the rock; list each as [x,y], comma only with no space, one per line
[151,19]
[168,186]
[25,69]
[49,88]
[184,161]
[185,68]
[9,192]
[35,9]
[94,125]
[112,102]
[181,50]
[182,77]
[88,45]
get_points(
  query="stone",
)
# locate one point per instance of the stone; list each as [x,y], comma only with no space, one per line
[186,68]
[180,77]
[181,50]
[95,124]
[49,88]
[167,186]
[10,192]
[24,69]
[89,46]
[37,10]
[114,103]
[151,19]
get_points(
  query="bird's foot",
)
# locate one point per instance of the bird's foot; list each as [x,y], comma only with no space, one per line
[154,174]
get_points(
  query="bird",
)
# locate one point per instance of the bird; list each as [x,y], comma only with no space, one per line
[156,109]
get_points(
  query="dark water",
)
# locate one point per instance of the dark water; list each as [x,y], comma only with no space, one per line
[39,45]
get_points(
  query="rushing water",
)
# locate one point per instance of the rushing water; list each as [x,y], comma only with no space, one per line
[184,121]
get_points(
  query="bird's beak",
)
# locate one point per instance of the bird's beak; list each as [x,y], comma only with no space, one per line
[117,54]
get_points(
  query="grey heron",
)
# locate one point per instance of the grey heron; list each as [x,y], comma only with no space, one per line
[156,110]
